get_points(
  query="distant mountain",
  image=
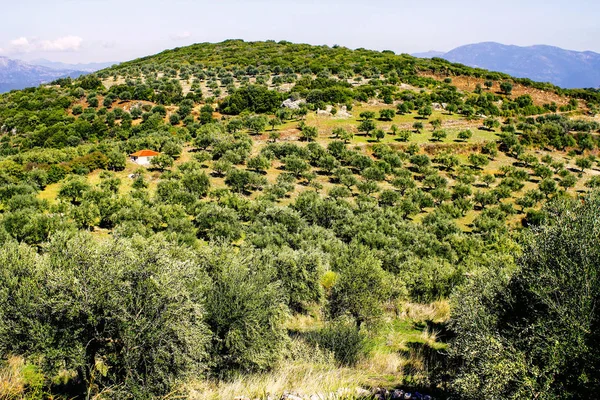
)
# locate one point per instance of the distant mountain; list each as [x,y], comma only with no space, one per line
[429,54]
[15,74]
[89,67]
[565,68]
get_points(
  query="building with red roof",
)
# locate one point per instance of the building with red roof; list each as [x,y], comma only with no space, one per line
[143,157]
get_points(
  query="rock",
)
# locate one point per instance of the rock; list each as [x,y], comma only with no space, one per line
[398,394]
[343,113]
[291,104]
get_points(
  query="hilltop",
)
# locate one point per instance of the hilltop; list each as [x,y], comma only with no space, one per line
[311,219]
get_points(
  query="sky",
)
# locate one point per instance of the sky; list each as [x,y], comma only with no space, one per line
[74,31]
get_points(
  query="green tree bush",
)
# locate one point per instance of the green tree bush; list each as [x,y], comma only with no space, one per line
[67,309]
[530,331]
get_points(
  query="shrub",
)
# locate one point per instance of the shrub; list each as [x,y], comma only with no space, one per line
[300,272]
[533,331]
[343,339]
[360,287]
[245,311]
[118,315]
[77,109]
[253,98]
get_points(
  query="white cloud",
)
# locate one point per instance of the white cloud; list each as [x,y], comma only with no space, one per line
[67,43]
[29,45]
[21,45]
[181,36]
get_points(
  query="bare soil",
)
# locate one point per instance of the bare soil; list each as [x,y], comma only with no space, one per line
[468,83]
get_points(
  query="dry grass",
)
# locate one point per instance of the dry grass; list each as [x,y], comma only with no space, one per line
[307,379]
[305,371]
[18,380]
[383,364]
[12,382]
[396,354]
[438,311]
[322,378]
[304,323]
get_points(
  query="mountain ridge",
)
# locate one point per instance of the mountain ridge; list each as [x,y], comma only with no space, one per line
[87,67]
[543,63]
[16,74]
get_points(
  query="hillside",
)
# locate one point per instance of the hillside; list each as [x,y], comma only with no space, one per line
[313,223]
[564,68]
[16,74]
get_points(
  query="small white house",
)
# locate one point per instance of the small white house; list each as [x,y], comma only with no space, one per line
[143,157]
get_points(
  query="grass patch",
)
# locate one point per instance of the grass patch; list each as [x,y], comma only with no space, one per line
[394,357]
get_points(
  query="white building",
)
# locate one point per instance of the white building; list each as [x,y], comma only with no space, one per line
[143,157]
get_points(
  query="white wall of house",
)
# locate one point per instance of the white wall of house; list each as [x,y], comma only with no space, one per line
[141,160]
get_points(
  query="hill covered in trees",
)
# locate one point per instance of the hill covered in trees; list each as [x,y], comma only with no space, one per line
[318,220]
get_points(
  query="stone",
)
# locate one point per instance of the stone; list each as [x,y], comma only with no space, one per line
[291,104]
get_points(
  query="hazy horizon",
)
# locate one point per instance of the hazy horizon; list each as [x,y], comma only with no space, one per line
[86,31]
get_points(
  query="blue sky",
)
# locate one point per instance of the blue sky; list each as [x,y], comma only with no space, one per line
[118,30]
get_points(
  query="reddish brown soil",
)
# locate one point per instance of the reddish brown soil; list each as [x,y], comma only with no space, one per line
[468,84]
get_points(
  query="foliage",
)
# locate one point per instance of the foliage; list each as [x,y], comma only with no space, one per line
[535,332]
[360,288]
[135,344]
[252,98]
[340,226]
[244,312]
[343,339]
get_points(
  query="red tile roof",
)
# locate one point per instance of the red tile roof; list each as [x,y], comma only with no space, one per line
[145,153]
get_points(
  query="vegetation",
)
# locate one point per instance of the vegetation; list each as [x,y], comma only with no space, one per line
[312,210]
[537,321]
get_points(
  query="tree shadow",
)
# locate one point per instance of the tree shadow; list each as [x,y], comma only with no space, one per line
[423,358]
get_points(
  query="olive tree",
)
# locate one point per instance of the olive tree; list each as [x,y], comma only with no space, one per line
[531,331]
[360,289]
[111,314]
[245,311]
